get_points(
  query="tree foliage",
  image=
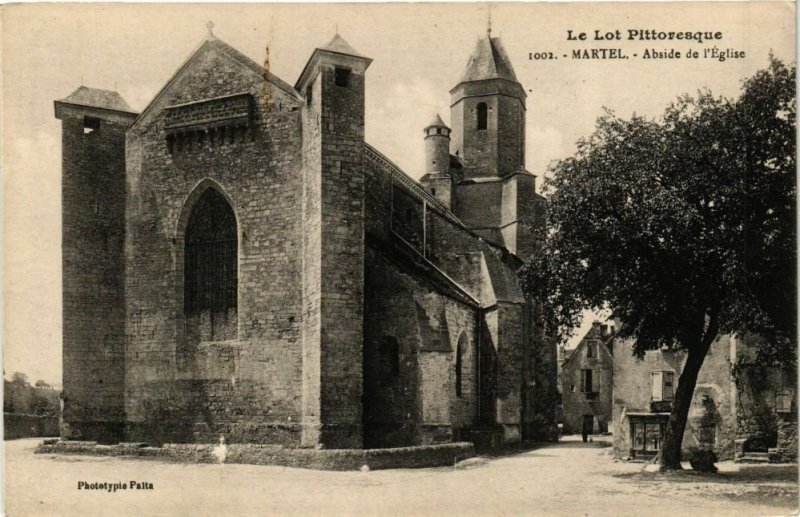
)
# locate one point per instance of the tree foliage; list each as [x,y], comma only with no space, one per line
[682,226]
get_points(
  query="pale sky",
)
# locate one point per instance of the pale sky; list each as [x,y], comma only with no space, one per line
[419,53]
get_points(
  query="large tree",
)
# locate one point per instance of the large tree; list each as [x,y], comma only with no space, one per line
[683,226]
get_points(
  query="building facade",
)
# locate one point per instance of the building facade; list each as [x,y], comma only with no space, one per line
[587,378]
[739,409]
[239,262]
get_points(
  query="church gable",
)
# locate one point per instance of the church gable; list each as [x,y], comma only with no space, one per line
[213,73]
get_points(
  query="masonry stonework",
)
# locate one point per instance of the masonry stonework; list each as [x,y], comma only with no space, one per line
[240,264]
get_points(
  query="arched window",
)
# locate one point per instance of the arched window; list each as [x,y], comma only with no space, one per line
[460,351]
[483,115]
[210,262]
[389,354]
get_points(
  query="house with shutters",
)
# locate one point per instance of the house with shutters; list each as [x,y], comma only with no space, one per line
[741,409]
[587,382]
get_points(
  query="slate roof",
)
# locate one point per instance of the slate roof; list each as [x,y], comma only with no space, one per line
[97,98]
[504,280]
[339,45]
[436,122]
[489,61]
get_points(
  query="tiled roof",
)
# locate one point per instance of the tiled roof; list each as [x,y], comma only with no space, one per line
[96,98]
[489,61]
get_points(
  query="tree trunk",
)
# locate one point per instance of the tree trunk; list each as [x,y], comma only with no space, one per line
[670,458]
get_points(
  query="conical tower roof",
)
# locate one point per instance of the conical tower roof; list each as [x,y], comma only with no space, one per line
[489,61]
[436,122]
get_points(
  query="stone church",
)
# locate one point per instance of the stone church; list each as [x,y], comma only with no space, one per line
[239,262]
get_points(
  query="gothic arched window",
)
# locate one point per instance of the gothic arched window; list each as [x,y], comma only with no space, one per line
[211,257]
[483,115]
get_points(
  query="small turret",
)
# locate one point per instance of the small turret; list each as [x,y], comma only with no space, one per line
[437,179]
[437,146]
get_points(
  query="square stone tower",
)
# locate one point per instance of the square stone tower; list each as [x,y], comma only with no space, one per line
[333,244]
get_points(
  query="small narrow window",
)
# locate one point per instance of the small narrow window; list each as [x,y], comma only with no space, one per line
[669,392]
[590,351]
[586,381]
[90,125]
[433,190]
[342,76]
[309,95]
[483,115]
[460,368]
[783,401]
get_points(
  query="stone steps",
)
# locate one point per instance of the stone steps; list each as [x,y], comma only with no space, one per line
[753,457]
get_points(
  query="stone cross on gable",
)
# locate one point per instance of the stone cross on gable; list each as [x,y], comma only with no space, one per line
[210,27]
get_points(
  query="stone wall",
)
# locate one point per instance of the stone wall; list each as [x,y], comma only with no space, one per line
[253,454]
[576,404]
[417,403]
[93,235]
[517,363]
[248,389]
[543,396]
[24,426]
[500,148]
[712,400]
[333,147]
[786,450]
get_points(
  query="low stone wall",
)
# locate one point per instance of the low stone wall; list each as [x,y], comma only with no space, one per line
[17,425]
[254,454]
[786,451]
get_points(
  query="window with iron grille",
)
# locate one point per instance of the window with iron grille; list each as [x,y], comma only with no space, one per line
[211,256]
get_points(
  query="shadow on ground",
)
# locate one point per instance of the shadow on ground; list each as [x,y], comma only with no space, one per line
[744,474]
[764,485]
[581,444]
